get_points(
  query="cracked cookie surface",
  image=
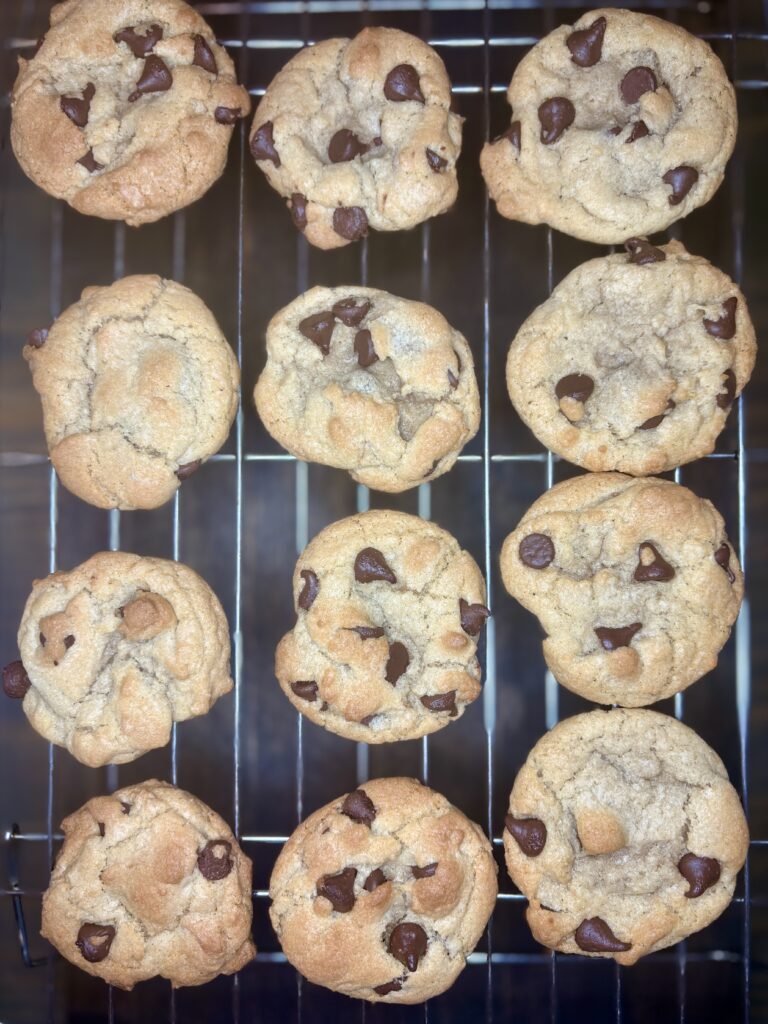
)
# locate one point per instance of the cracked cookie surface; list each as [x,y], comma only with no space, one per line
[383,894]
[358,133]
[117,650]
[138,387]
[624,833]
[621,124]
[150,881]
[633,581]
[634,361]
[126,110]
[389,613]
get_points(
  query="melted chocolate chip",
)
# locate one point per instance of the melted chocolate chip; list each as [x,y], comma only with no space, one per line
[319,328]
[530,834]
[436,702]
[339,889]
[368,632]
[263,144]
[636,83]
[15,680]
[642,252]
[700,872]
[204,56]
[371,567]
[215,860]
[94,941]
[577,386]
[139,45]
[364,350]
[654,421]
[453,380]
[350,222]
[658,570]
[102,831]
[397,663]
[556,115]
[77,110]
[620,636]
[359,807]
[42,639]
[38,337]
[227,115]
[186,471]
[126,806]
[402,83]
[310,589]
[435,161]
[472,617]
[727,395]
[682,179]
[69,641]
[374,880]
[408,944]
[390,986]
[156,77]
[586,45]
[306,689]
[298,208]
[639,131]
[723,559]
[90,163]
[725,326]
[536,551]
[513,135]
[426,872]
[594,936]
[345,146]
[350,313]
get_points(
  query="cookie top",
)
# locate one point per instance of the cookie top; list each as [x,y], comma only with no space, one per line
[389,613]
[138,386]
[117,650]
[358,133]
[383,893]
[365,381]
[633,581]
[150,882]
[126,109]
[621,124]
[624,833]
[634,361]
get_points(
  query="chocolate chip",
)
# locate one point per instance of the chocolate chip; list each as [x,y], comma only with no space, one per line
[426,872]
[310,589]
[513,135]
[368,632]
[725,327]
[319,328]
[367,720]
[530,834]
[227,115]
[298,208]
[204,56]
[397,663]
[374,880]
[654,421]
[363,345]
[345,146]
[215,860]
[263,144]
[42,639]
[359,807]
[339,889]
[38,337]
[658,570]
[586,45]
[682,179]
[15,680]
[577,386]
[126,807]
[350,222]
[102,831]
[472,617]
[639,131]
[441,702]
[90,163]
[402,83]
[77,110]
[306,689]
[594,936]
[436,162]
[186,471]
[453,380]
[94,941]
[140,45]
[390,986]
[616,130]
[349,312]
[700,872]
[727,395]
[371,566]
[620,636]
[556,115]
[69,641]
[536,551]
[637,82]
[642,252]
[723,559]
[156,77]
[408,944]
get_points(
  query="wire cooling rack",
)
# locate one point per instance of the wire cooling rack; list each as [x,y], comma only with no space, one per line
[243,519]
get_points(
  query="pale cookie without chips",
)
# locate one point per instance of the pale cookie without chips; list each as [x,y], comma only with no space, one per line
[621,125]
[358,133]
[633,581]
[389,613]
[634,361]
[624,833]
[150,882]
[117,650]
[384,893]
[127,108]
[138,387]
[368,382]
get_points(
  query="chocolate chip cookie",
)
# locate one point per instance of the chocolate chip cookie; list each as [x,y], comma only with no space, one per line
[634,361]
[362,380]
[389,614]
[358,134]
[383,893]
[150,882]
[624,833]
[117,650]
[621,125]
[633,581]
[138,386]
[127,108]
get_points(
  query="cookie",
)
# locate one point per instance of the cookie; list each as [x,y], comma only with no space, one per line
[634,361]
[150,882]
[621,125]
[383,893]
[368,382]
[624,833]
[117,650]
[138,386]
[126,110]
[633,581]
[358,134]
[389,614]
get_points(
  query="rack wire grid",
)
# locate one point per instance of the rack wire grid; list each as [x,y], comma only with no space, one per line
[242,520]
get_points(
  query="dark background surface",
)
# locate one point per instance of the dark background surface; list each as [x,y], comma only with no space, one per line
[50,253]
